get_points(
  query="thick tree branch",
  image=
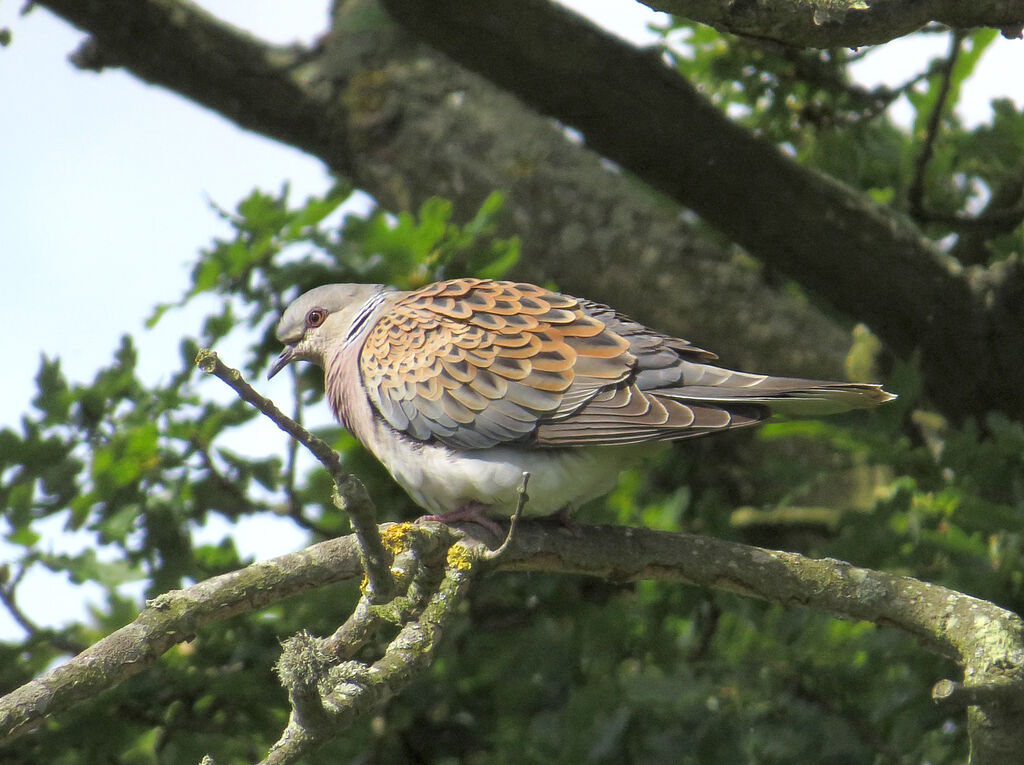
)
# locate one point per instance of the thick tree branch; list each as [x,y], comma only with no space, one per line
[377,101]
[865,259]
[943,620]
[404,123]
[164,41]
[987,640]
[171,619]
[843,23]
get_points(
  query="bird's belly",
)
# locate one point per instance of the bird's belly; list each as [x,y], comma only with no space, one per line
[441,479]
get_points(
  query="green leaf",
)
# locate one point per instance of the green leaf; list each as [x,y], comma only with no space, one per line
[53,398]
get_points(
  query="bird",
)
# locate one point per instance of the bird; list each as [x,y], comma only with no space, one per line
[461,386]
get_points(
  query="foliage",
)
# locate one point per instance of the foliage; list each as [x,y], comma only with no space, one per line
[540,668]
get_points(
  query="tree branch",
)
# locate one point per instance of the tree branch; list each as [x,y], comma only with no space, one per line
[987,640]
[328,694]
[866,260]
[846,23]
[915,191]
[381,98]
[165,41]
[376,101]
[171,619]
[8,597]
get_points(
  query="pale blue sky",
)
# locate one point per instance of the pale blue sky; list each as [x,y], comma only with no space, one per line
[104,183]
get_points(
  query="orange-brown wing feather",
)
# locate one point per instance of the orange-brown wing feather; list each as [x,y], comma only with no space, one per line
[654,404]
[475,363]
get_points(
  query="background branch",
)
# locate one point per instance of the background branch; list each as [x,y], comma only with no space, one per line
[8,596]
[807,23]
[383,98]
[375,100]
[171,619]
[865,259]
[915,191]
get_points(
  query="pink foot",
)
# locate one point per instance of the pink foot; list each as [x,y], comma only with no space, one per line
[472,512]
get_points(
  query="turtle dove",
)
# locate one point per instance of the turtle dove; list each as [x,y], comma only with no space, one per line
[461,386]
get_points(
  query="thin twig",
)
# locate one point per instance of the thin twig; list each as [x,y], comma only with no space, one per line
[523,498]
[10,601]
[995,221]
[860,727]
[706,619]
[350,495]
[223,481]
[209,362]
[354,633]
[1006,202]
[915,192]
[293,450]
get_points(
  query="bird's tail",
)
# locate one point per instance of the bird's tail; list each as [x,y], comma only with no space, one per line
[784,395]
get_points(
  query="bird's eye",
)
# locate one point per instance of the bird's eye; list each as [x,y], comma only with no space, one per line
[315,317]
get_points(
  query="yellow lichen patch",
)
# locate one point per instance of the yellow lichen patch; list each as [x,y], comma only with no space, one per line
[395,537]
[460,557]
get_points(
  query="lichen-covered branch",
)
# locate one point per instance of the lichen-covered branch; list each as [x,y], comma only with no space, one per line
[843,23]
[328,694]
[171,619]
[987,640]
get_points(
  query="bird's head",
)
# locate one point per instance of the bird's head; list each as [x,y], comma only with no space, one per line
[318,321]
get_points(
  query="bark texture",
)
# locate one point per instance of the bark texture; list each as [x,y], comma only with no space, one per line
[843,23]
[404,122]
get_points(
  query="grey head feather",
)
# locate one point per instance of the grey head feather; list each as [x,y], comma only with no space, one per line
[340,302]
[330,297]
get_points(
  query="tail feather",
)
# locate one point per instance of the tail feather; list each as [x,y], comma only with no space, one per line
[784,395]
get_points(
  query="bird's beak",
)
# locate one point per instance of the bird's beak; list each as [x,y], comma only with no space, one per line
[286,357]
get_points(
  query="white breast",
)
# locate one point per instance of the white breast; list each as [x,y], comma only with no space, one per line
[441,479]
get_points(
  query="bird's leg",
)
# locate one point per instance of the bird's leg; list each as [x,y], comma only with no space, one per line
[472,512]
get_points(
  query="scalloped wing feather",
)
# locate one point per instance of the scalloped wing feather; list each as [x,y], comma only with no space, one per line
[475,363]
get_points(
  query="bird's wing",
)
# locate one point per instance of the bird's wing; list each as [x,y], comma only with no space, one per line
[475,363]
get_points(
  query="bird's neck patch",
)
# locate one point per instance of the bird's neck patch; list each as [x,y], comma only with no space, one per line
[359,322]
